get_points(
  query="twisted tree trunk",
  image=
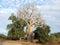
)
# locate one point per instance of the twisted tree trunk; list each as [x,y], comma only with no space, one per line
[29,30]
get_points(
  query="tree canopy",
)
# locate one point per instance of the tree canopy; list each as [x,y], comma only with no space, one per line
[16,28]
[42,33]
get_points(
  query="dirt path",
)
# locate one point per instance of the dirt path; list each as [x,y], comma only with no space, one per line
[8,42]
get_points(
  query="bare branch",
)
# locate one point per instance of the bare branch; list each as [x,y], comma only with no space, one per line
[30,14]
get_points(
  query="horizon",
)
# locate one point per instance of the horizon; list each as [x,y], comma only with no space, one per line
[49,9]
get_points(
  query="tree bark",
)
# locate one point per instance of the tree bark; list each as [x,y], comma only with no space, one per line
[29,30]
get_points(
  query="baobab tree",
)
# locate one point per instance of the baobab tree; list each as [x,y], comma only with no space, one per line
[31,15]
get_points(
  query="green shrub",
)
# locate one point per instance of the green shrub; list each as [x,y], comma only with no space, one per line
[55,37]
[42,34]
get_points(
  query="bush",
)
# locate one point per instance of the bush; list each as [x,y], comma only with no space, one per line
[2,35]
[15,34]
[42,34]
[55,37]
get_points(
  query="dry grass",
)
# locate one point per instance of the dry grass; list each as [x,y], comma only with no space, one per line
[51,43]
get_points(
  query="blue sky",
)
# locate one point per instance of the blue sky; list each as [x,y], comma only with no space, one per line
[50,11]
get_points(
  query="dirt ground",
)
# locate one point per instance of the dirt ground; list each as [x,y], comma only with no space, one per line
[9,42]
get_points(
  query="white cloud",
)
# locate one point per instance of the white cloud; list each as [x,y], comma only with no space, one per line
[51,15]
[7,10]
[56,1]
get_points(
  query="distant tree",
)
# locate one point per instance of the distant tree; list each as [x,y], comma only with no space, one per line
[56,34]
[2,35]
[55,37]
[42,33]
[15,28]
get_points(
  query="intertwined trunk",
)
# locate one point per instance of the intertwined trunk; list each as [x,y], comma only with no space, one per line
[29,30]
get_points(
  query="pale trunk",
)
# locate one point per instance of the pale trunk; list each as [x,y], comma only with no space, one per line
[29,30]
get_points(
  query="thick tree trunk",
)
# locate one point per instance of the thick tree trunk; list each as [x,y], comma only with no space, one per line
[29,30]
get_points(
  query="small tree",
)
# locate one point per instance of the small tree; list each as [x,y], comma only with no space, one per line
[42,33]
[15,28]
